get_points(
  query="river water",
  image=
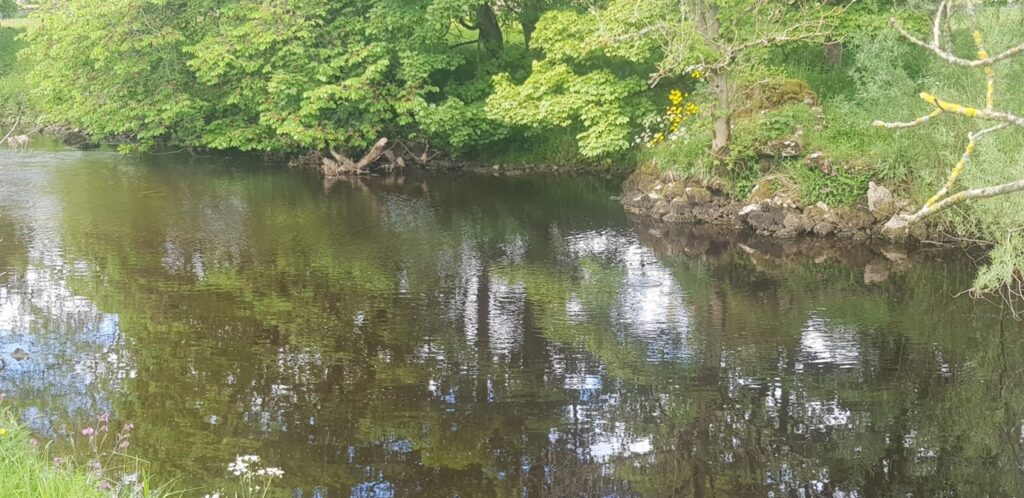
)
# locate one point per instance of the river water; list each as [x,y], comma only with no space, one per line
[474,336]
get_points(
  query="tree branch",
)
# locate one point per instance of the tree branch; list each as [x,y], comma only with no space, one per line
[958,198]
[950,57]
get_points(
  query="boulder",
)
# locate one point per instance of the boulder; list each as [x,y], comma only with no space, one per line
[698,195]
[880,202]
[797,222]
[821,162]
[823,228]
[660,209]
[851,219]
[765,221]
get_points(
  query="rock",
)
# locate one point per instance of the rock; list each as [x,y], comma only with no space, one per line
[815,214]
[747,210]
[698,195]
[824,228]
[20,355]
[679,205]
[786,233]
[897,228]
[797,222]
[851,219]
[876,272]
[786,148]
[880,201]
[821,162]
[660,209]
[765,221]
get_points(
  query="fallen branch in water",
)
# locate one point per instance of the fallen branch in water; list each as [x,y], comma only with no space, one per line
[340,164]
[15,127]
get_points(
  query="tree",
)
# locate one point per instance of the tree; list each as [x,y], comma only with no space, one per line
[712,36]
[985,62]
[270,75]
[8,8]
[583,82]
[582,76]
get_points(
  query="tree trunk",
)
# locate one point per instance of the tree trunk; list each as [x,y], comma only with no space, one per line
[490,32]
[529,16]
[529,26]
[834,53]
[705,19]
[722,88]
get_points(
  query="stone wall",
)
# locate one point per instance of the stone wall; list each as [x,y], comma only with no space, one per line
[663,197]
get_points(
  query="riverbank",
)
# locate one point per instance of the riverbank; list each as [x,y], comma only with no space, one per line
[664,197]
[28,472]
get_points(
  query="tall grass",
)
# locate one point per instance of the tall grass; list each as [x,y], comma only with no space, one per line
[26,473]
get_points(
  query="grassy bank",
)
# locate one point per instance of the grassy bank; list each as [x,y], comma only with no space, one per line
[795,95]
[27,471]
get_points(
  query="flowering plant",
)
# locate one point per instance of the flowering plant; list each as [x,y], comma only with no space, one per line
[255,478]
[669,125]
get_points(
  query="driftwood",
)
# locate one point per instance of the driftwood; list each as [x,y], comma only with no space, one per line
[385,156]
[339,164]
[18,142]
[15,127]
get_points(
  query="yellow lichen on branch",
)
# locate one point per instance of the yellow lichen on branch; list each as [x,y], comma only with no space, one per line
[942,199]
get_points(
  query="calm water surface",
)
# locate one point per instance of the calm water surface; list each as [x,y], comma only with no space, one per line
[476,336]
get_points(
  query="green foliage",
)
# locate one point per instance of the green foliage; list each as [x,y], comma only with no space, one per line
[14,87]
[582,83]
[8,8]
[269,76]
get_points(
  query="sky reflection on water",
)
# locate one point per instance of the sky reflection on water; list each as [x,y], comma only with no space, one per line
[476,336]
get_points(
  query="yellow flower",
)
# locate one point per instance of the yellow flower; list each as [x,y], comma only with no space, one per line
[3,432]
[696,74]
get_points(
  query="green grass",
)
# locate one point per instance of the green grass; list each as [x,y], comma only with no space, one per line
[880,79]
[26,473]
[18,23]
[29,469]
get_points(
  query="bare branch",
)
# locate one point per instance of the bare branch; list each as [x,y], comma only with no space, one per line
[917,122]
[972,112]
[949,56]
[937,25]
[942,201]
[958,198]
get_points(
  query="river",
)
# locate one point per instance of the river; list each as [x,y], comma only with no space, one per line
[467,335]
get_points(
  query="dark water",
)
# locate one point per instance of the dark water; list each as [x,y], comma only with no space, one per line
[476,336]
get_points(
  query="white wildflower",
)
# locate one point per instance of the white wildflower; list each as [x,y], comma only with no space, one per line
[270,472]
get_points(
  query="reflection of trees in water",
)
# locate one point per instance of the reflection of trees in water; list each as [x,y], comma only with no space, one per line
[488,341]
[837,386]
[54,344]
